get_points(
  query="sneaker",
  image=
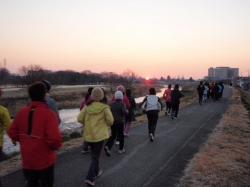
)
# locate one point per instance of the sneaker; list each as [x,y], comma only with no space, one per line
[121,151]
[99,173]
[84,152]
[169,114]
[117,143]
[126,134]
[151,137]
[89,183]
[175,117]
[107,151]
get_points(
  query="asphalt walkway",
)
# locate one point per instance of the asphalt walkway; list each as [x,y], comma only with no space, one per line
[145,163]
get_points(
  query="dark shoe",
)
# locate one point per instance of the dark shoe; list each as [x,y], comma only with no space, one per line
[151,137]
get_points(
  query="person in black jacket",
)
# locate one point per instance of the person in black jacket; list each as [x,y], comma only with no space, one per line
[200,90]
[175,101]
[131,114]
[119,110]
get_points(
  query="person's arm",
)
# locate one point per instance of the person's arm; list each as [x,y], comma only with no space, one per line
[161,105]
[53,135]
[124,109]
[13,129]
[52,106]
[126,101]
[108,116]
[81,116]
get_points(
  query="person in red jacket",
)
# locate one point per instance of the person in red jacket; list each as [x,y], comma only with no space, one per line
[35,127]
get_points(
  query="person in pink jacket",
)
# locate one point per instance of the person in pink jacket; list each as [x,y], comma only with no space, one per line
[167,97]
[35,127]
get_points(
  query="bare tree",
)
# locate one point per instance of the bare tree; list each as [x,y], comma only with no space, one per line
[112,81]
[31,73]
[129,78]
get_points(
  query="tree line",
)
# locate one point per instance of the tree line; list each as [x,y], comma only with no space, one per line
[27,75]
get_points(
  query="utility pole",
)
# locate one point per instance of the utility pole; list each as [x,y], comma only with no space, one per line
[4,62]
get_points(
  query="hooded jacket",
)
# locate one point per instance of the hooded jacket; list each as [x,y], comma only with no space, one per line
[96,119]
[5,122]
[38,143]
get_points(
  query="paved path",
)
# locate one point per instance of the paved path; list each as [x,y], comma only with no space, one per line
[145,163]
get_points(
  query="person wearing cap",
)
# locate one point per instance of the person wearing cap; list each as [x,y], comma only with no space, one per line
[5,122]
[125,100]
[49,101]
[35,127]
[119,111]
[96,118]
[87,99]
[175,101]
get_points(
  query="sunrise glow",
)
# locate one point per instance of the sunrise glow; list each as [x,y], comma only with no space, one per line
[158,38]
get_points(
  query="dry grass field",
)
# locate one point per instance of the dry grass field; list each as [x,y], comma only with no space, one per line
[224,159]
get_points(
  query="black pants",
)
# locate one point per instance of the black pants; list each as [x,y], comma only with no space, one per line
[85,146]
[35,177]
[117,129]
[175,110]
[168,107]
[200,97]
[96,148]
[152,116]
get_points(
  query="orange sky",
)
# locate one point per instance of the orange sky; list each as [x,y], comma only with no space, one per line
[152,38]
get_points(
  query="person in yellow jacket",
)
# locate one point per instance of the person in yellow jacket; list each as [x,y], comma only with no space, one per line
[96,118]
[5,122]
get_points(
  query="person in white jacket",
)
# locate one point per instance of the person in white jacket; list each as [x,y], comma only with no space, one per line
[152,104]
[206,89]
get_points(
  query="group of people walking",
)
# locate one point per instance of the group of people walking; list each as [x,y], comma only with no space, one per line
[206,90]
[172,98]
[35,127]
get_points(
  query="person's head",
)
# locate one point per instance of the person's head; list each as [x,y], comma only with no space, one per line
[118,95]
[169,86]
[88,93]
[37,91]
[152,91]
[47,84]
[104,91]
[90,90]
[120,88]
[176,86]
[1,92]
[97,94]
[128,92]
[201,82]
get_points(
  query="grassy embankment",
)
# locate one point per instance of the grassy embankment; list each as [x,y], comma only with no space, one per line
[224,159]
